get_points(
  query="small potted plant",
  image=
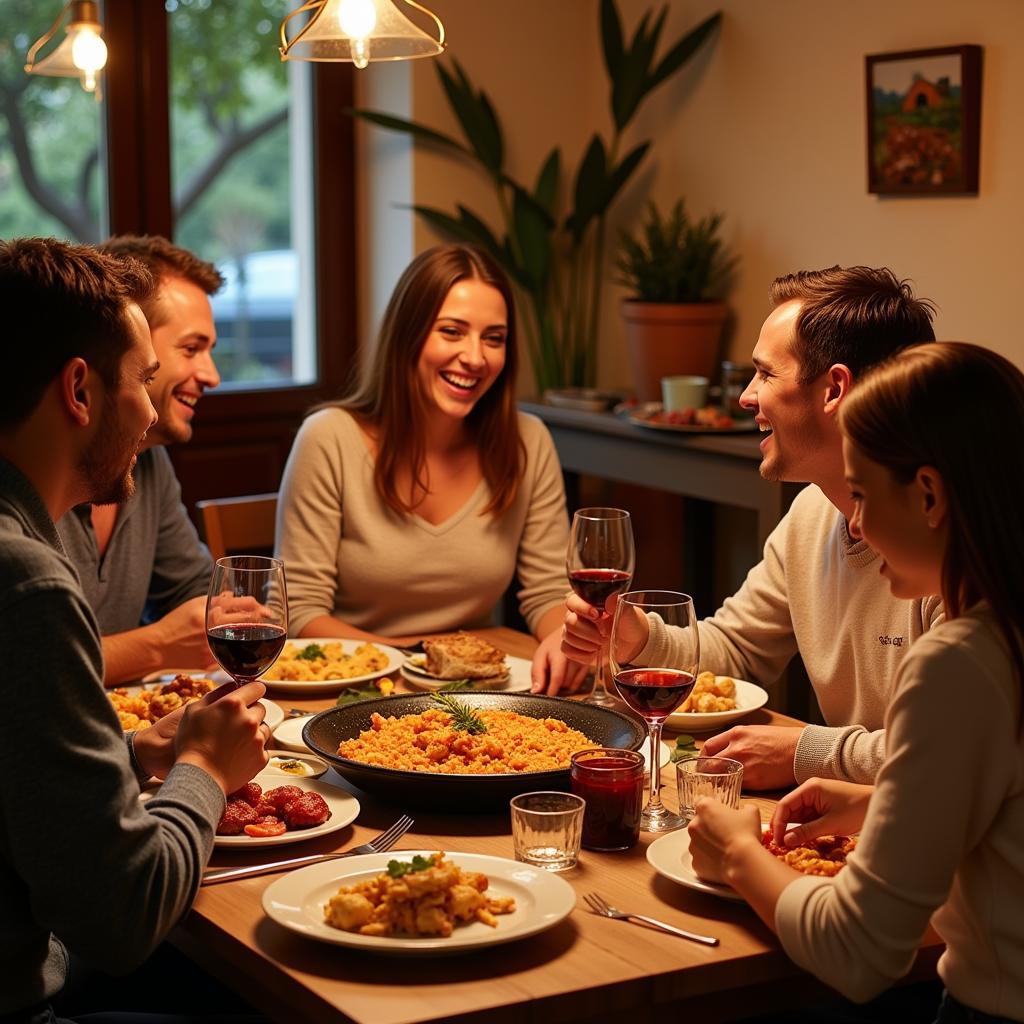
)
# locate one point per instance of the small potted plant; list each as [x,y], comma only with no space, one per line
[678,272]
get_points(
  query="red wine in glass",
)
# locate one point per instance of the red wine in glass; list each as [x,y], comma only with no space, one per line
[247,614]
[599,563]
[246,650]
[595,586]
[654,693]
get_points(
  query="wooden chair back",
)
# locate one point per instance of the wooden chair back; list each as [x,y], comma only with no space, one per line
[239,525]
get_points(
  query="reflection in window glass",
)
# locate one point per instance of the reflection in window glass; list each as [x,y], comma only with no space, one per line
[52,170]
[238,153]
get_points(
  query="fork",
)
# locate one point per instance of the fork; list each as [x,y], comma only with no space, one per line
[379,844]
[605,909]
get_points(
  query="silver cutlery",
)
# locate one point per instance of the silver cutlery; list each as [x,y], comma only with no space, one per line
[379,844]
[605,909]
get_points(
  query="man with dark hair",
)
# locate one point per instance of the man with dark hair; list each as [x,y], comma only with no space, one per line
[82,362]
[817,590]
[142,566]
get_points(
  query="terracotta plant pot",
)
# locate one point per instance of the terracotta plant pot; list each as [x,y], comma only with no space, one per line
[667,338]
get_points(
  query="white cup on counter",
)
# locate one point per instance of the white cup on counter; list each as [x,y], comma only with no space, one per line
[684,392]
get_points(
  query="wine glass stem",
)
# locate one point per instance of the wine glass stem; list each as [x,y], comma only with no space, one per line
[654,796]
[600,676]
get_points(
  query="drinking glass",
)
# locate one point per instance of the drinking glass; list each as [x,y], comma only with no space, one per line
[718,777]
[655,691]
[546,829]
[247,614]
[599,564]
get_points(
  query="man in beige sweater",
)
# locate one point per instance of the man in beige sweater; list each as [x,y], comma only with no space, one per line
[816,591]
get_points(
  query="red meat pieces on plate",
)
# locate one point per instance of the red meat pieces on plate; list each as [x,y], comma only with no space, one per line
[250,793]
[281,797]
[306,811]
[236,816]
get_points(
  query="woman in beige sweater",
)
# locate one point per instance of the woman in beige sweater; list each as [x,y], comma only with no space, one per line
[408,507]
[936,471]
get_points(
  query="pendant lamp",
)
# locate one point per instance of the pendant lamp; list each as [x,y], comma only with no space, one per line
[359,31]
[81,54]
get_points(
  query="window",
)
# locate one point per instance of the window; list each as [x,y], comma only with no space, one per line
[52,158]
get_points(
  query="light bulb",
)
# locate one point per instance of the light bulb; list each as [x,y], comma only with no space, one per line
[357,18]
[88,53]
[360,52]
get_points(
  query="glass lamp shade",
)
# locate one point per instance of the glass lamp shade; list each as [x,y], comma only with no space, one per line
[330,34]
[81,53]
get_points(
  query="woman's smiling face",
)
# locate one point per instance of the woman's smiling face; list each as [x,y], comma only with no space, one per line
[465,350]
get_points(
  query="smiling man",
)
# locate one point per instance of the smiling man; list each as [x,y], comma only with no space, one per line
[142,566]
[817,591]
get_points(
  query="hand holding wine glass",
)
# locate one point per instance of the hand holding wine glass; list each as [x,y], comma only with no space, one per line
[247,614]
[599,564]
[655,691]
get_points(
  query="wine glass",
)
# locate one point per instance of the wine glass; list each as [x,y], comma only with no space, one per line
[655,691]
[599,563]
[247,614]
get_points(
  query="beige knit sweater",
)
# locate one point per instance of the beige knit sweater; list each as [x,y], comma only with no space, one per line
[347,554]
[819,592]
[944,831]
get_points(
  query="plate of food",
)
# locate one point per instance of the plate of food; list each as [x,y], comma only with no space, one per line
[292,765]
[460,751]
[716,701]
[321,664]
[452,902]
[670,857]
[710,419]
[273,810]
[138,707]
[462,661]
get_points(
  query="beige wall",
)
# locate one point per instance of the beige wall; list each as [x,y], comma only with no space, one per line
[767,126]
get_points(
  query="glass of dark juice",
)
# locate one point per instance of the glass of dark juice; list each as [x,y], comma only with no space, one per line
[612,784]
[247,614]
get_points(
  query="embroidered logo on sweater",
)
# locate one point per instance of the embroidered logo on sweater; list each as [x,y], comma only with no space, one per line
[891,641]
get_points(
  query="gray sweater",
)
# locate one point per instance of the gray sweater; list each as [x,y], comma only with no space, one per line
[83,865]
[154,560]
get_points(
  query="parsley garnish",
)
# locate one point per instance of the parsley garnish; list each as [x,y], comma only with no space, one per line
[685,749]
[311,652]
[397,868]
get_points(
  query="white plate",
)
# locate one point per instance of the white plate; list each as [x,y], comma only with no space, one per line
[670,857]
[273,717]
[343,805]
[296,901]
[517,681]
[327,685]
[749,697]
[289,734]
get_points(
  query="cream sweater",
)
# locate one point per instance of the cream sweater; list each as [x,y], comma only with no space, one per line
[819,592]
[944,830]
[347,554]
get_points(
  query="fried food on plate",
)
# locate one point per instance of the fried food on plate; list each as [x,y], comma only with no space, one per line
[424,896]
[710,693]
[825,855]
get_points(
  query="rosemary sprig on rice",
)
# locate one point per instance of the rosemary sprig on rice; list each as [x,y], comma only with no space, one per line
[464,718]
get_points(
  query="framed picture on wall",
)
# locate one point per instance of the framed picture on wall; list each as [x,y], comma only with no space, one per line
[924,121]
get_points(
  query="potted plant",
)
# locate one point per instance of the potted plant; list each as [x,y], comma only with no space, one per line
[552,237]
[678,272]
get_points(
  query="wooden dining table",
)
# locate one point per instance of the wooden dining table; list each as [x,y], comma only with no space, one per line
[585,969]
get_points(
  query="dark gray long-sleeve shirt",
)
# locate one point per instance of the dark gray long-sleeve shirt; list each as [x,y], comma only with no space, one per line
[154,560]
[83,864]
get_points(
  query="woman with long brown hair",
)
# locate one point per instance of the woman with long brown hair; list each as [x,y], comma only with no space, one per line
[936,472]
[407,507]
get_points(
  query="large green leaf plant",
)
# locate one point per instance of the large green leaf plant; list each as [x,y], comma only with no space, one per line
[554,255]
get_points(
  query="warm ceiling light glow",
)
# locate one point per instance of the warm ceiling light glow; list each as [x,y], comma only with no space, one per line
[360,31]
[81,54]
